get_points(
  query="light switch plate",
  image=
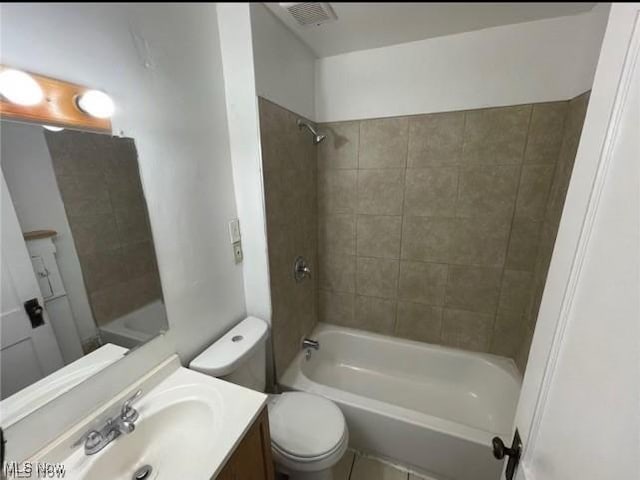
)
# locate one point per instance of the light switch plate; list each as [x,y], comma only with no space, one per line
[234,230]
[237,252]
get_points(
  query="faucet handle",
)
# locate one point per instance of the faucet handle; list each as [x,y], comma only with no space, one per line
[127,412]
[92,441]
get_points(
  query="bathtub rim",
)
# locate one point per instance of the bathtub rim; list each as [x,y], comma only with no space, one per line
[294,379]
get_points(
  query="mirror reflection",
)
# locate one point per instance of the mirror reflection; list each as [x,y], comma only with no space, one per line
[80,282]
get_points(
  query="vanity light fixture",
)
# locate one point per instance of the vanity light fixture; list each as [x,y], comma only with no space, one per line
[53,128]
[96,103]
[20,88]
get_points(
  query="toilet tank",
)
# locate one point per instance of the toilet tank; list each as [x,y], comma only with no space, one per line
[239,356]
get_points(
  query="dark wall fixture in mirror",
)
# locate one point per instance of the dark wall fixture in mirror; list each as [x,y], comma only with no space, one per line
[75,202]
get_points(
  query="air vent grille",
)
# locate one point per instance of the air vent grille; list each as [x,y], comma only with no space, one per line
[311,13]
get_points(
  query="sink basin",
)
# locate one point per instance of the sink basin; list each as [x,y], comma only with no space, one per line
[189,424]
[178,431]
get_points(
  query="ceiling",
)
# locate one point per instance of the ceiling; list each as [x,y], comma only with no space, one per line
[361,26]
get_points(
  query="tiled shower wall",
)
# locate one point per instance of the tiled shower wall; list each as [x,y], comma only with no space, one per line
[573,128]
[100,186]
[439,227]
[289,166]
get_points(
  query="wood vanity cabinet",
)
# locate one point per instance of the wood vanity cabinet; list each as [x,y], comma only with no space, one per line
[251,459]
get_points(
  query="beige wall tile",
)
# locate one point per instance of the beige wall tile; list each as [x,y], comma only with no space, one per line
[133,225]
[431,192]
[336,308]
[496,136]
[487,190]
[427,239]
[377,277]
[273,139]
[422,282]
[380,192]
[337,272]
[143,290]
[110,302]
[533,193]
[476,289]
[509,332]
[375,314]
[379,236]
[419,322]
[84,194]
[479,241]
[516,290]
[545,133]
[95,233]
[103,269]
[523,244]
[286,344]
[126,193]
[466,330]
[139,258]
[383,143]
[337,234]
[336,191]
[435,139]
[340,148]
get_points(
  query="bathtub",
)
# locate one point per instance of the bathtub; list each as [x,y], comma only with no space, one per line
[433,409]
[136,327]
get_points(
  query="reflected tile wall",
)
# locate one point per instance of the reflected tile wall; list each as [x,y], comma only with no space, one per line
[439,227]
[100,187]
[289,168]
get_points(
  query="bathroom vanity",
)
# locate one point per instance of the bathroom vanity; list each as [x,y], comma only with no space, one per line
[251,460]
[187,425]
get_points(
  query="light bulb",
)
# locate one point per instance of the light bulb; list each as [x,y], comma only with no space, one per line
[53,128]
[20,87]
[96,103]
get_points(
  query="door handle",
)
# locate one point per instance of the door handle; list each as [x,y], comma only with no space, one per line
[500,450]
[35,312]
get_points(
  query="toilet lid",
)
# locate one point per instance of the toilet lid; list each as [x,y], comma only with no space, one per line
[304,425]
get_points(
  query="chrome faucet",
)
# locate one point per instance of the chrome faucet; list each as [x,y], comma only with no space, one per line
[301,269]
[308,343]
[124,423]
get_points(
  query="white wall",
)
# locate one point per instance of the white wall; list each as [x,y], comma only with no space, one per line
[234,24]
[28,170]
[538,61]
[161,64]
[284,66]
[578,412]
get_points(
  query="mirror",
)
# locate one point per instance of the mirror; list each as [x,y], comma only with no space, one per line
[80,282]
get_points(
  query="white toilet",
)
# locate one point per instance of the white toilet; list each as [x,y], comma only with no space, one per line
[308,432]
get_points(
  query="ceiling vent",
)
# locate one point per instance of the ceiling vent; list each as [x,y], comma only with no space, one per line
[310,13]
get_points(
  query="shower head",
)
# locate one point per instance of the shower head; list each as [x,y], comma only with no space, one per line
[317,138]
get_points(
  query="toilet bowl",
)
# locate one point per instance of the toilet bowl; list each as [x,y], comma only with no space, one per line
[308,433]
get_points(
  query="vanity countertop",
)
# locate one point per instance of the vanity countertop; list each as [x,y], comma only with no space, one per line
[189,426]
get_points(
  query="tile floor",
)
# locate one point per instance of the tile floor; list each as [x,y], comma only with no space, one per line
[354,466]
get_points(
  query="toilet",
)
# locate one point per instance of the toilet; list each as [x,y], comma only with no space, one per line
[308,433]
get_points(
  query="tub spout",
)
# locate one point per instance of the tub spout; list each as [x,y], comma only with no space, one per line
[308,343]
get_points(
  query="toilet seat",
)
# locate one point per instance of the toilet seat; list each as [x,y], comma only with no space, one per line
[308,432]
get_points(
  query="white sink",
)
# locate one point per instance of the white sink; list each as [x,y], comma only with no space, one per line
[189,424]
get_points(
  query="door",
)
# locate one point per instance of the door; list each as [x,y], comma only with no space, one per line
[27,354]
[579,409]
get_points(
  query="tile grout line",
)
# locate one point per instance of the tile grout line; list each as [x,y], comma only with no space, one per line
[402,216]
[513,216]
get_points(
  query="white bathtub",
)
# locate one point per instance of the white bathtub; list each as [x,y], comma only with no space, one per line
[432,408]
[136,327]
